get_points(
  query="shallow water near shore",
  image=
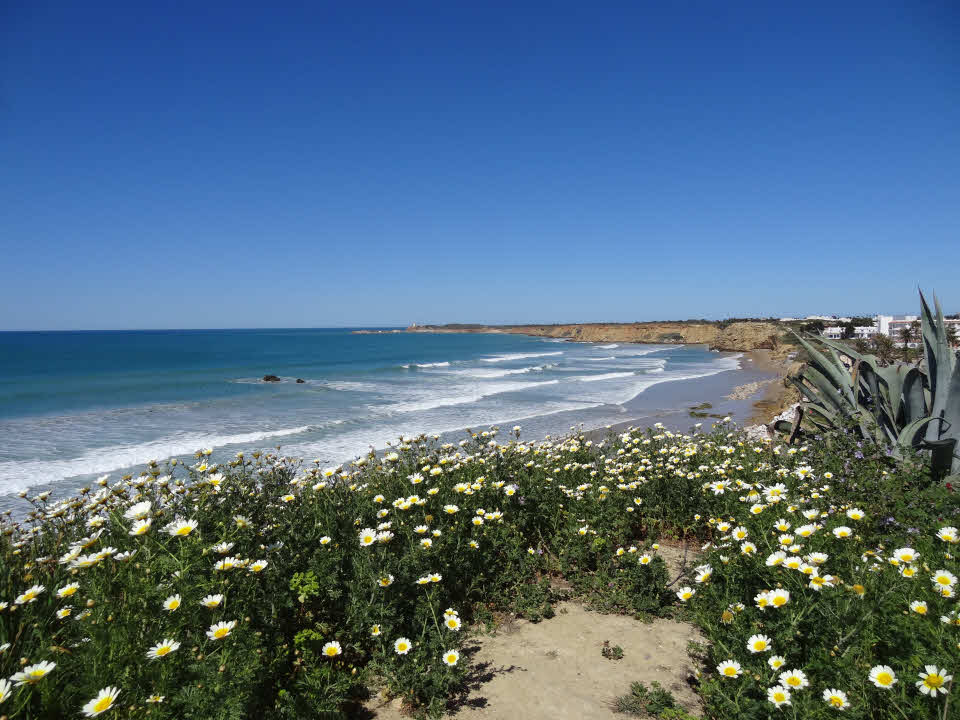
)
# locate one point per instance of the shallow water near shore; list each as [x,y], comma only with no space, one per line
[74,406]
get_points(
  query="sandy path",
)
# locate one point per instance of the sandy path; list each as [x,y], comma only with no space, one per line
[554,669]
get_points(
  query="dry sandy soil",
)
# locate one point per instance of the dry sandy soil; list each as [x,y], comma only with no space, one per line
[554,669]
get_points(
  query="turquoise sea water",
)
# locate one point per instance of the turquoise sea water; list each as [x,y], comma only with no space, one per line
[76,405]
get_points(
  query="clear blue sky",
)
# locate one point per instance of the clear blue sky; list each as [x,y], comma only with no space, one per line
[240,164]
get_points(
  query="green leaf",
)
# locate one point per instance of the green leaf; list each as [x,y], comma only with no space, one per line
[910,436]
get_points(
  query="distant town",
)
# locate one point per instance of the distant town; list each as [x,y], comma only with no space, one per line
[903,330]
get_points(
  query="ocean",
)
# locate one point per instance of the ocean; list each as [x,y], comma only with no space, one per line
[77,405]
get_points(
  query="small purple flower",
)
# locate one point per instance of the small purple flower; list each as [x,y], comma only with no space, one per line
[858,455]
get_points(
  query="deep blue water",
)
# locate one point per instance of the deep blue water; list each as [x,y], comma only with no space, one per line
[74,405]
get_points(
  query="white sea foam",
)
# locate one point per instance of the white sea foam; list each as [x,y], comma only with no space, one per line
[518,356]
[343,447]
[638,352]
[431,365]
[607,347]
[483,373]
[466,394]
[599,359]
[21,474]
[604,376]
[353,386]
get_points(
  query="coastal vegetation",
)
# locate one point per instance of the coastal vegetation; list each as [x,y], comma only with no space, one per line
[272,586]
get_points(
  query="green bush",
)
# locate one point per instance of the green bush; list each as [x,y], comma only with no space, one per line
[332,580]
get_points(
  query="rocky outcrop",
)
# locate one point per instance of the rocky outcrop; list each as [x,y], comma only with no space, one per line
[271,378]
[765,432]
[300,381]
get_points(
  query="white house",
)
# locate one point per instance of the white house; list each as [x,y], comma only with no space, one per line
[889,325]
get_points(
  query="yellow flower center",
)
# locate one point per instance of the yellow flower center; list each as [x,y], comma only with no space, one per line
[103,704]
[760,645]
[836,701]
[37,674]
[793,681]
[778,601]
[163,650]
[730,671]
[184,531]
[331,651]
[933,681]
[221,633]
[884,678]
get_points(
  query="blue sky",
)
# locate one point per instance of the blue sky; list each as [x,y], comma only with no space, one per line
[319,164]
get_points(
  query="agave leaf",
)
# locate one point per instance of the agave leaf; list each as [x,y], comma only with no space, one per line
[892,379]
[940,363]
[912,434]
[842,348]
[809,393]
[831,416]
[882,410]
[828,366]
[830,395]
[950,414]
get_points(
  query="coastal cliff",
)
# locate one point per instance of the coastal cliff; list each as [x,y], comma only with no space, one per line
[734,336]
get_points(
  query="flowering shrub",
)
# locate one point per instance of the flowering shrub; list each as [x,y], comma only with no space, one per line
[273,587]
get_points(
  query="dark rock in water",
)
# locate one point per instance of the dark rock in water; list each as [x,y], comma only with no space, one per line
[271,378]
[300,381]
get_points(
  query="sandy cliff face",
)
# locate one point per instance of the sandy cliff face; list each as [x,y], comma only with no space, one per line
[737,336]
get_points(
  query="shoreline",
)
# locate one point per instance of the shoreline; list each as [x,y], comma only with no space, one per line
[678,404]
[775,395]
[752,342]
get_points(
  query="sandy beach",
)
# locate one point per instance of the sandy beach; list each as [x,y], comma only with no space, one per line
[680,406]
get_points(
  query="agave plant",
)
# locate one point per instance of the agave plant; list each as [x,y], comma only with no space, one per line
[900,406]
[943,377]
